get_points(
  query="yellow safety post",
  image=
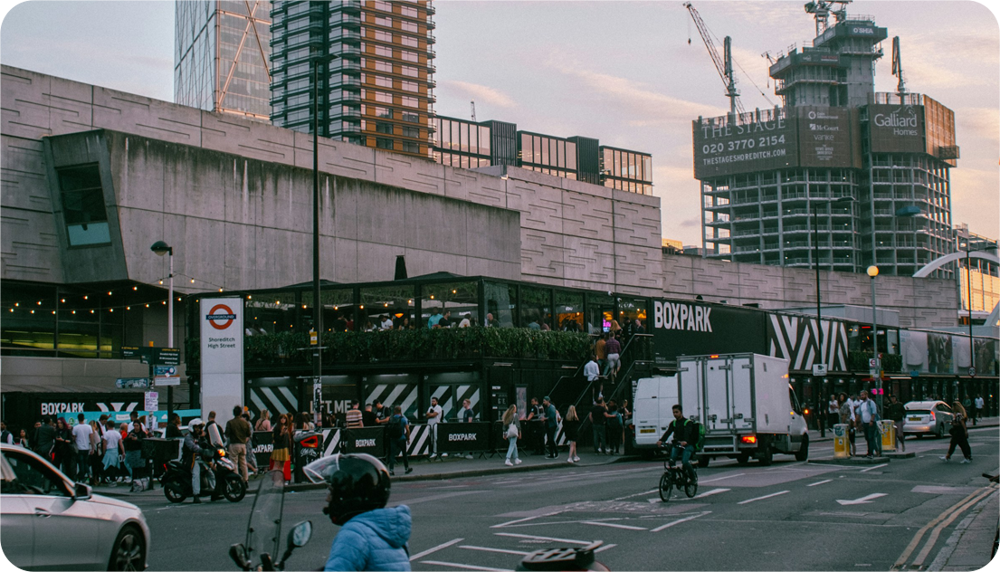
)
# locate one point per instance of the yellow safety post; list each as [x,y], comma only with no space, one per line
[841,445]
[888,435]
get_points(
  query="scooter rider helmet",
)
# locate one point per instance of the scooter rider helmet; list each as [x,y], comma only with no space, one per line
[357,483]
[194,423]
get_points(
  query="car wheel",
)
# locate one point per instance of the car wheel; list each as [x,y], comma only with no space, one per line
[129,551]
[803,453]
[235,489]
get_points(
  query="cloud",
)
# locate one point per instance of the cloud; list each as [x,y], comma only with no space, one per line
[481,93]
[691,222]
[978,122]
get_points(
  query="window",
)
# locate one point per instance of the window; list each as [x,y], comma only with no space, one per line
[410,71]
[383,36]
[410,116]
[383,143]
[384,128]
[382,81]
[410,86]
[409,27]
[408,56]
[411,147]
[536,312]
[384,6]
[382,112]
[383,67]
[83,205]
[383,21]
[409,41]
[409,12]
[32,477]
[383,51]
[411,132]
[410,101]
[460,299]
[383,97]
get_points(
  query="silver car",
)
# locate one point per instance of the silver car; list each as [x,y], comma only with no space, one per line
[48,522]
[927,418]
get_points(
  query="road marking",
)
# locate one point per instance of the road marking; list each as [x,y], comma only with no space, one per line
[440,497]
[435,549]
[708,494]
[956,508]
[820,483]
[722,478]
[466,566]
[612,525]
[932,539]
[636,495]
[501,525]
[669,524]
[863,500]
[549,538]
[763,497]
[873,468]
[485,549]
[605,547]
[942,490]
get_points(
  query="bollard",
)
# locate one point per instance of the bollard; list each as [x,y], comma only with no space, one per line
[841,445]
[888,435]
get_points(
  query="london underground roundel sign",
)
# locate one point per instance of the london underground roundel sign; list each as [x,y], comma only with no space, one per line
[220,317]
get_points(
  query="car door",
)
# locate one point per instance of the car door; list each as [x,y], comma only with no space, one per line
[16,519]
[65,531]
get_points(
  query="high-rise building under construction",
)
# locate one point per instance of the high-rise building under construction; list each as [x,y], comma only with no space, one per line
[839,175]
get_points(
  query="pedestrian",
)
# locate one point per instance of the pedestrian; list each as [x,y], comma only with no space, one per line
[614,427]
[959,434]
[280,456]
[95,460]
[897,413]
[305,423]
[174,427]
[238,433]
[382,413]
[614,329]
[466,415]
[354,417]
[466,321]
[66,458]
[552,420]
[980,405]
[6,437]
[213,432]
[251,455]
[512,432]
[832,411]
[113,452]
[535,428]
[22,439]
[133,447]
[599,422]
[434,414]
[398,433]
[368,418]
[626,412]
[571,428]
[264,421]
[600,353]
[614,349]
[592,371]
[868,417]
[847,418]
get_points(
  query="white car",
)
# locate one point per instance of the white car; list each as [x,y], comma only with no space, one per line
[928,418]
[48,522]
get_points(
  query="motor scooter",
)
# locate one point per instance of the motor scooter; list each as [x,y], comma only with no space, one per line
[218,478]
[264,529]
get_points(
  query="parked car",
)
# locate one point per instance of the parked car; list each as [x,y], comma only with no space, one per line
[927,418]
[48,522]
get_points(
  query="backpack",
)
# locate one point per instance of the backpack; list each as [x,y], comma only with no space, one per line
[396,427]
[700,443]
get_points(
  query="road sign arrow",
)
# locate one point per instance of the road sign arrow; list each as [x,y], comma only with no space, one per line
[863,500]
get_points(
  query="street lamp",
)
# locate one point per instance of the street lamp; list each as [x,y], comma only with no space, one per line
[872,273]
[161,248]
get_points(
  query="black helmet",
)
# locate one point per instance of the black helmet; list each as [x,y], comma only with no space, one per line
[358,483]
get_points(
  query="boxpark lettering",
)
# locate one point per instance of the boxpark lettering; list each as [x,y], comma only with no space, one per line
[670,316]
[54,408]
[462,437]
[360,443]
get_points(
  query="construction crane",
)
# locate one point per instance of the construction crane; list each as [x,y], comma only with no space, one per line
[473,111]
[821,10]
[723,65]
[897,67]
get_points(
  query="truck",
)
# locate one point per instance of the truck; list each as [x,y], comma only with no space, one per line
[744,402]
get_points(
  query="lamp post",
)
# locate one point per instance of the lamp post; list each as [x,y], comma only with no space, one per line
[819,303]
[872,273]
[161,248]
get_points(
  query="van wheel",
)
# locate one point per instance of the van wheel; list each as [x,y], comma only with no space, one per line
[766,455]
[703,461]
[803,453]
[743,459]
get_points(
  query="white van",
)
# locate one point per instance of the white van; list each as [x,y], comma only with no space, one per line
[744,401]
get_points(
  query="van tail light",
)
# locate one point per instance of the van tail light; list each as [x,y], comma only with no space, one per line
[749,439]
[933,417]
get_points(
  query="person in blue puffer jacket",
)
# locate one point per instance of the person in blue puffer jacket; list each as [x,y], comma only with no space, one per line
[373,537]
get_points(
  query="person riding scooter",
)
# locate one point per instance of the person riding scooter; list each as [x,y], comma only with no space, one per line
[195,445]
[373,537]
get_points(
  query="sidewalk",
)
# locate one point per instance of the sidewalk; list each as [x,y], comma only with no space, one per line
[814,434]
[423,469]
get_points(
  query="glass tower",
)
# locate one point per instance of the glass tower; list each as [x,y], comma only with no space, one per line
[221,53]
[375,77]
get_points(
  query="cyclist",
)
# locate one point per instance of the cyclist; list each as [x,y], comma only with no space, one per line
[685,436]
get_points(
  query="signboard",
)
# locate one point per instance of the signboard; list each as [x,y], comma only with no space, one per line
[896,128]
[463,437]
[165,375]
[165,356]
[132,382]
[369,440]
[796,338]
[819,369]
[697,328]
[221,354]
[722,148]
[828,137]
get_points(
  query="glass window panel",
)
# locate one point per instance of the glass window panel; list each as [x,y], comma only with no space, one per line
[569,310]
[456,301]
[571,156]
[444,132]
[647,168]
[562,154]
[527,154]
[395,304]
[600,312]
[455,136]
[544,144]
[536,314]
[83,205]
[484,140]
[465,161]
[630,310]
[501,304]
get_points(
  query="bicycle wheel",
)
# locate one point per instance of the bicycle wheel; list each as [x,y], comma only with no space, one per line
[666,486]
[691,486]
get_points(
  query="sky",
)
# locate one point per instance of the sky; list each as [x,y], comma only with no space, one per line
[631,74]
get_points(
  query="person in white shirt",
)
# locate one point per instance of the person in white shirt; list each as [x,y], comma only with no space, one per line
[466,321]
[113,452]
[869,412]
[434,415]
[81,436]
[980,405]
[592,370]
[386,323]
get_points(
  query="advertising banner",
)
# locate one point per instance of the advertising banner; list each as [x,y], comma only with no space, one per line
[262,445]
[463,437]
[221,355]
[369,440]
[697,328]
[797,339]
[896,128]
[828,137]
[721,148]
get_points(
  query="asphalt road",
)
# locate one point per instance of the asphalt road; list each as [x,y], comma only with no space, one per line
[789,516]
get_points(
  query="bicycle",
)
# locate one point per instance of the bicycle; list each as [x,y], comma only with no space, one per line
[676,476]
[996,538]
